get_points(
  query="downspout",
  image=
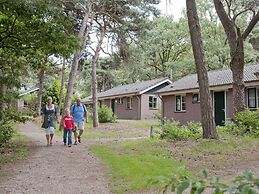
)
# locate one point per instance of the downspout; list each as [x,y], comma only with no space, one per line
[162,109]
[139,107]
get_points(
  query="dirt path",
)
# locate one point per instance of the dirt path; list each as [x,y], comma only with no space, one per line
[56,169]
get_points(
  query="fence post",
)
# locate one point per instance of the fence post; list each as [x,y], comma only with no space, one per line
[151,132]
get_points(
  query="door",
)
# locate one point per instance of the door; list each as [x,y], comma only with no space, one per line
[113,105]
[219,108]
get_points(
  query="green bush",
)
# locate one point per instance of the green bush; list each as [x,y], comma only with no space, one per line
[248,122]
[245,123]
[106,115]
[172,130]
[6,133]
[244,184]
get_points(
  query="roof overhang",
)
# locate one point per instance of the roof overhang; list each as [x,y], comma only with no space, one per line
[212,88]
[154,86]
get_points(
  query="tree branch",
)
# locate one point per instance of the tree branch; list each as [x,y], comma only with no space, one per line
[251,25]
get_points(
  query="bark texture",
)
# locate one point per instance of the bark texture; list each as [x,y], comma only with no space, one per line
[94,78]
[41,77]
[82,35]
[62,86]
[208,123]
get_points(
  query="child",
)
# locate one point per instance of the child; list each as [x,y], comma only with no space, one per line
[68,125]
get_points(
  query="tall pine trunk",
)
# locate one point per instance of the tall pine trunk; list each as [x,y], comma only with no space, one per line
[62,86]
[208,123]
[82,38]
[41,77]
[94,78]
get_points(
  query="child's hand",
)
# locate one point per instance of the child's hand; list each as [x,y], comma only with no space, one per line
[64,126]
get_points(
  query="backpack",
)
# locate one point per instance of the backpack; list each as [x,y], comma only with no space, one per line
[74,106]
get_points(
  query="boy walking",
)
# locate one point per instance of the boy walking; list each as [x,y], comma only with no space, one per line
[68,125]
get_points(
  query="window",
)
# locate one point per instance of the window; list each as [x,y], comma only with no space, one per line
[120,100]
[251,98]
[129,103]
[195,98]
[152,102]
[180,103]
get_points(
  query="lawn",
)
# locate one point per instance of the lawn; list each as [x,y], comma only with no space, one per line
[119,129]
[132,164]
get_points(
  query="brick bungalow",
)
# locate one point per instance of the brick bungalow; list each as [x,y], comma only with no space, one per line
[136,101]
[181,100]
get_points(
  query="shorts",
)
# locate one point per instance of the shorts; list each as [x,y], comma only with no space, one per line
[79,125]
[49,130]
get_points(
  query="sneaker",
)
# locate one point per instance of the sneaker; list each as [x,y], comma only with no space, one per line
[79,139]
[69,145]
[75,143]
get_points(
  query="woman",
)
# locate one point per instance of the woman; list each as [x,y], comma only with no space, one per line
[49,120]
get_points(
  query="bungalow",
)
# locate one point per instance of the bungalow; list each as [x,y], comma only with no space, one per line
[136,101]
[21,103]
[181,100]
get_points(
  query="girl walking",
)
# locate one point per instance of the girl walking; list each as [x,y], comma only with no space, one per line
[68,126]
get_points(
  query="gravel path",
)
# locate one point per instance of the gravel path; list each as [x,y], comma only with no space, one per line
[56,169]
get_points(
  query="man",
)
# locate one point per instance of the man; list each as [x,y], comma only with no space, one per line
[79,112]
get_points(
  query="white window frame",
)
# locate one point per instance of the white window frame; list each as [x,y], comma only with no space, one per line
[129,103]
[255,98]
[120,100]
[198,98]
[182,102]
[152,102]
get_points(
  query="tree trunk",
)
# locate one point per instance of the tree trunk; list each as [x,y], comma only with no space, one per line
[235,42]
[3,104]
[94,79]
[62,86]
[41,77]
[237,67]
[82,37]
[208,123]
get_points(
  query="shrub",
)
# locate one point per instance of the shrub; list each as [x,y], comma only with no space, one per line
[246,183]
[6,133]
[105,115]
[172,130]
[248,122]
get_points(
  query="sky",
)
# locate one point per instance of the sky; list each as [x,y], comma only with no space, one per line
[173,8]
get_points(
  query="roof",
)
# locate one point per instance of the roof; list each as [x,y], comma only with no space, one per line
[216,78]
[24,91]
[134,88]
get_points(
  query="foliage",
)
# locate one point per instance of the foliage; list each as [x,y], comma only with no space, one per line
[246,183]
[7,116]
[6,133]
[31,32]
[53,91]
[245,123]
[105,115]
[172,130]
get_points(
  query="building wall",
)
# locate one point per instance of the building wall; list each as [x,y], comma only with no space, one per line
[192,112]
[121,111]
[146,112]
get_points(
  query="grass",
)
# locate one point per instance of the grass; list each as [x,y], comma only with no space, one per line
[109,134]
[14,150]
[133,163]
[145,124]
